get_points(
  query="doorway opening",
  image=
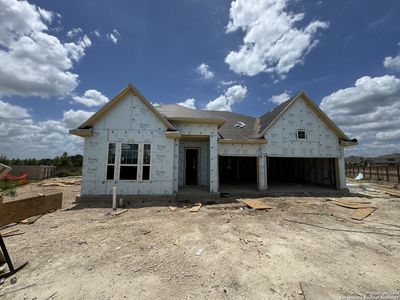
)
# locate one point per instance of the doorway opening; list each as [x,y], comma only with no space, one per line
[192,166]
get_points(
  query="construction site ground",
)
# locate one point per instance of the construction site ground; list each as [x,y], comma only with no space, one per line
[224,251]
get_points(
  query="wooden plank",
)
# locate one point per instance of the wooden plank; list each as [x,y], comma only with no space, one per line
[352,205]
[31,220]
[362,213]
[196,208]
[16,211]
[256,204]
[172,208]
[314,292]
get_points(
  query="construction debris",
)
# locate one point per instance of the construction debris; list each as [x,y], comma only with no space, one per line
[314,292]
[362,213]
[199,252]
[61,182]
[172,208]
[196,208]
[256,203]
[352,204]
[31,220]
[12,233]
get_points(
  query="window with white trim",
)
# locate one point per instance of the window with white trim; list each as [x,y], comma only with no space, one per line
[301,134]
[146,162]
[111,161]
[128,168]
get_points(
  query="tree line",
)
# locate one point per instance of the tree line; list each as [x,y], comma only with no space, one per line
[67,165]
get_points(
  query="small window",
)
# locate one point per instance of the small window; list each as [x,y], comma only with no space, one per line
[110,162]
[129,160]
[146,162]
[301,134]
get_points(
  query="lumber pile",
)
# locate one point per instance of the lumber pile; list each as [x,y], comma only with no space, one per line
[61,182]
[19,210]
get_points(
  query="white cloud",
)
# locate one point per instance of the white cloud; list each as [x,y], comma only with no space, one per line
[272,42]
[204,70]
[232,95]
[189,103]
[114,36]
[34,62]
[368,111]
[74,32]
[9,111]
[75,118]
[279,99]
[392,63]
[91,98]
[22,137]
[226,83]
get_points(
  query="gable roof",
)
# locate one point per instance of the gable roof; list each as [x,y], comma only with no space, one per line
[130,88]
[270,118]
[226,120]
[176,112]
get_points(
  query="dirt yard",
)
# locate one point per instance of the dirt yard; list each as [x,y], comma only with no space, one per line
[224,251]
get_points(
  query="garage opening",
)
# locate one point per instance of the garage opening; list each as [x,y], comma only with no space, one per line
[305,171]
[237,170]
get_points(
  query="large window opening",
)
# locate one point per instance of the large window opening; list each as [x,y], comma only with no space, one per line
[111,161]
[129,162]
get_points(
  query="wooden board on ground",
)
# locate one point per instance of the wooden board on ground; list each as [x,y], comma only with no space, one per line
[196,208]
[348,201]
[172,208]
[31,220]
[352,204]
[18,210]
[362,213]
[256,204]
[314,292]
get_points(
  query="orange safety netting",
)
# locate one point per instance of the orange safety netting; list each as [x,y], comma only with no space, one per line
[22,179]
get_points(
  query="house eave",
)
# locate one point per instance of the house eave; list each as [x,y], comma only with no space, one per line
[81,132]
[242,141]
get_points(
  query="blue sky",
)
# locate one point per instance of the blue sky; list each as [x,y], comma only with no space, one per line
[244,56]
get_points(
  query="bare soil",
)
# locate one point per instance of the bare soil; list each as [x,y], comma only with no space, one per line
[224,251]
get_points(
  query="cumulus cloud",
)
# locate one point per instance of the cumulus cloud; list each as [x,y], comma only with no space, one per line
[225,83]
[205,71]
[74,32]
[279,99]
[23,137]
[189,103]
[34,62]
[392,62]
[273,42]
[368,111]
[75,118]
[114,36]
[232,95]
[91,98]
[9,111]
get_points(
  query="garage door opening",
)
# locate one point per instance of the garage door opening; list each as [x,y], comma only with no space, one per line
[304,171]
[234,170]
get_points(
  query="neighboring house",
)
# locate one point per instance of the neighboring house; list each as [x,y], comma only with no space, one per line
[354,160]
[34,172]
[147,150]
[385,160]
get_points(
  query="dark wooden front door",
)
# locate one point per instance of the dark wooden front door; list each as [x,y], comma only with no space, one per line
[191,166]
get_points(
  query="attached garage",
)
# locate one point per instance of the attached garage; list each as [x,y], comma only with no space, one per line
[299,170]
[238,170]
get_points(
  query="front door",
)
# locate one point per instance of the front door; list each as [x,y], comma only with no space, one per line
[191,166]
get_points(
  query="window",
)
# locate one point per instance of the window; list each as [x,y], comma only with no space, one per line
[129,162]
[146,162]
[301,134]
[110,161]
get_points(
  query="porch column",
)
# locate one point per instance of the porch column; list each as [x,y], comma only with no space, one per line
[341,170]
[176,165]
[214,180]
[262,176]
